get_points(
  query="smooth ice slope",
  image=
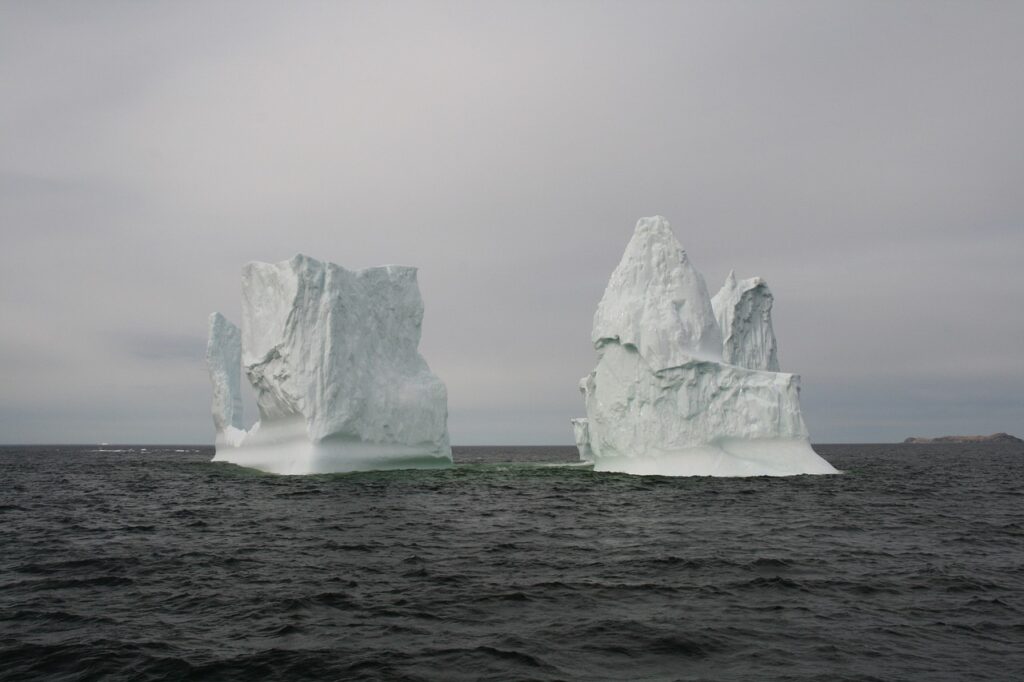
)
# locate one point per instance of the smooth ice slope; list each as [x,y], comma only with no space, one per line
[662,400]
[340,385]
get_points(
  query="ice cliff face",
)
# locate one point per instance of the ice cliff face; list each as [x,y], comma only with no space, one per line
[744,313]
[332,356]
[673,395]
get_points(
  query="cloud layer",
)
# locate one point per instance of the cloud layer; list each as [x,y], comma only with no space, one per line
[865,158]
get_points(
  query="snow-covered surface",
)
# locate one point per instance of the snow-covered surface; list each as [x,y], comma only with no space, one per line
[332,356]
[744,313]
[662,400]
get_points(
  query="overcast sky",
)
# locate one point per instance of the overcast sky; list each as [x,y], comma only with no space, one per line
[866,158]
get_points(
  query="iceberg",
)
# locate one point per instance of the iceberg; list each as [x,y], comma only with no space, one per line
[687,385]
[332,355]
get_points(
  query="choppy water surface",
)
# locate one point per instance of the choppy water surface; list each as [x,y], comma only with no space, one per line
[157,564]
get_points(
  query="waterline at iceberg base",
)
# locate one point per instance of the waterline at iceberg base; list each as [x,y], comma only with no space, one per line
[285,448]
[686,385]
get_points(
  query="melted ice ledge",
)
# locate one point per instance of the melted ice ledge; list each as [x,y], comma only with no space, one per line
[687,385]
[332,355]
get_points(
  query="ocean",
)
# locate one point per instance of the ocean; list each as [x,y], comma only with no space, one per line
[131,563]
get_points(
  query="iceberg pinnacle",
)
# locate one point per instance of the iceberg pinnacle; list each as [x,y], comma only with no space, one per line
[657,302]
[684,387]
[332,356]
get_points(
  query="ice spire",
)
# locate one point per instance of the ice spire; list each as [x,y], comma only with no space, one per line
[744,313]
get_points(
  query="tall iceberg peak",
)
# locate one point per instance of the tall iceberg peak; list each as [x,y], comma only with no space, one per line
[666,396]
[657,302]
[332,356]
[744,313]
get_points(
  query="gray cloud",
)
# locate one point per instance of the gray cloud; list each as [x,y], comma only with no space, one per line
[864,157]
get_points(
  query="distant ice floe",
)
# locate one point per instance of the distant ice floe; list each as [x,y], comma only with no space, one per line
[686,384]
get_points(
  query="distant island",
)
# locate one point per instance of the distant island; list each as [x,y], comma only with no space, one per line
[994,438]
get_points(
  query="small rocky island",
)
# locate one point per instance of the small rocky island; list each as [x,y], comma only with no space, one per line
[994,438]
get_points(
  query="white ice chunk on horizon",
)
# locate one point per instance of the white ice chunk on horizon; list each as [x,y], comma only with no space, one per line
[682,387]
[332,355]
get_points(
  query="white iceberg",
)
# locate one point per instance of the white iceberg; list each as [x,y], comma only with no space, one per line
[332,356]
[683,387]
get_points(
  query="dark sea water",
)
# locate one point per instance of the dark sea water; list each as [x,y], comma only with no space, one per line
[157,564]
